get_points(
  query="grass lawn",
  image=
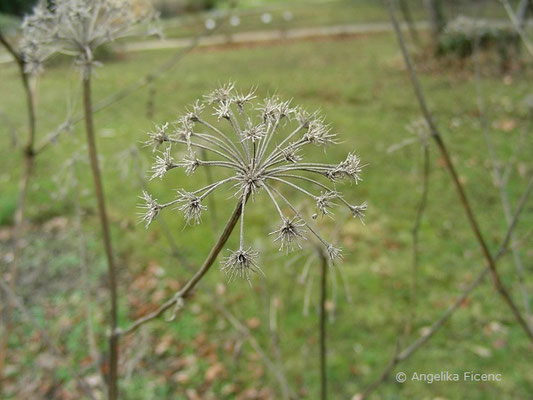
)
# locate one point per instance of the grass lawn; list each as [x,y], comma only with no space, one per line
[361,86]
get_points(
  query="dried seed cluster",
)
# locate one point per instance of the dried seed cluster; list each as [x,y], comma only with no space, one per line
[77,28]
[260,146]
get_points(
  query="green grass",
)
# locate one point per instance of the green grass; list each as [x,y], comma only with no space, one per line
[361,86]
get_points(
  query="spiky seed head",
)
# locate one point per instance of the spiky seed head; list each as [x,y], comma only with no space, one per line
[359,211]
[242,99]
[76,28]
[190,163]
[304,117]
[158,137]
[191,206]
[324,202]
[319,134]
[193,115]
[240,264]
[223,110]
[163,164]
[334,253]
[254,132]
[350,168]
[290,233]
[221,94]
[151,207]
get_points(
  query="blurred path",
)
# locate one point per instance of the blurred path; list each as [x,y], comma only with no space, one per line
[255,37]
[266,36]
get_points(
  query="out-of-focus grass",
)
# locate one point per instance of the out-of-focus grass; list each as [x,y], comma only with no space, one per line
[361,85]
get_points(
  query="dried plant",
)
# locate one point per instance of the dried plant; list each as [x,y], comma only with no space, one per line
[262,151]
[76,28]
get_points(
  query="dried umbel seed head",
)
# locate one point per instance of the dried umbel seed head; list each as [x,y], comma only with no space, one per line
[163,164]
[191,206]
[350,168]
[158,137]
[290,233]
[261,148]
[76,28]
[240,264]
[151,209]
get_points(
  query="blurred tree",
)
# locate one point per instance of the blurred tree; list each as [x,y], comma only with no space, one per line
[16,7]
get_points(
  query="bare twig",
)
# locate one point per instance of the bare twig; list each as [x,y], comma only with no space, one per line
[415,234]
[435,134]
[403,355]
[500,183]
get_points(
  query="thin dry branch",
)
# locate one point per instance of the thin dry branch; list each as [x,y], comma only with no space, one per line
[437,137]
[403,355]
[415,232]
[499,182]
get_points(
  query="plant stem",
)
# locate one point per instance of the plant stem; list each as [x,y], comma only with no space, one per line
[111,269]
[323,349]
[186,291]
[435,134]
[29,157]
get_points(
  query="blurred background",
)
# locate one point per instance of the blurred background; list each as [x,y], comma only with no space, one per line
[234,341]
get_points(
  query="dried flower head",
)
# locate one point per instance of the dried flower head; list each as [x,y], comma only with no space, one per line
[76,28]
[290,233]
[151,208]
[191,205]
[350,168]
[240,263]
[163,164]
[158,137]
[260,148]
